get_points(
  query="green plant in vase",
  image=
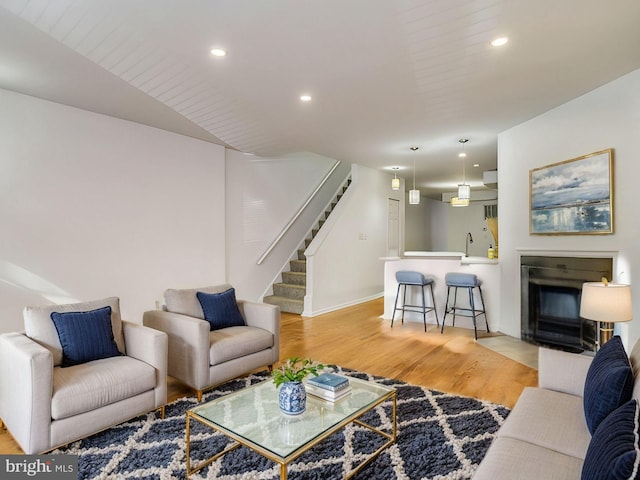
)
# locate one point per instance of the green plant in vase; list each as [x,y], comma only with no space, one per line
[295,369]
[293,397]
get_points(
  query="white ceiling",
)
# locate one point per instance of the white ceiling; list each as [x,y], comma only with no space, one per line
[384,74]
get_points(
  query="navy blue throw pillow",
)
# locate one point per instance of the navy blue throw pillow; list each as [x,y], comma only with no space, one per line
[614,452]
[85,336]
[220,309]
[609,383]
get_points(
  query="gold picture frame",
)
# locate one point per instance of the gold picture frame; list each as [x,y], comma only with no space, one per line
[573,197]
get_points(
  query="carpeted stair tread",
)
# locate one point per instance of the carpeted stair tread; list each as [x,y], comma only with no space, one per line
[294,278]
[288,305]
[289,290]
[298,265]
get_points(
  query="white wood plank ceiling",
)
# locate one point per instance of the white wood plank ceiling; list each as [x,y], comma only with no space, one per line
[384,75]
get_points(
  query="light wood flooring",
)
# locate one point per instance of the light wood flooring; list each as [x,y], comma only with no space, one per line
[356,337]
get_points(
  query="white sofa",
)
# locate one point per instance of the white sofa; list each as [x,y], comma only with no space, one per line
[45,404]
[546,434]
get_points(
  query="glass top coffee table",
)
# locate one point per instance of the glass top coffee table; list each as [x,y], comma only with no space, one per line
[252,418]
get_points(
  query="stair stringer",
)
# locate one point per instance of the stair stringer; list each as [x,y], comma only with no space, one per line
[317,242]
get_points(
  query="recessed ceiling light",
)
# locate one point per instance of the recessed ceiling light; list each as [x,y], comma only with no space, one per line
[218,52]
[476,165]
[499,42]
[305,98]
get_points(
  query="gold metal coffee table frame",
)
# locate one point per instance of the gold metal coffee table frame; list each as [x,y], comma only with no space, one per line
[316,410]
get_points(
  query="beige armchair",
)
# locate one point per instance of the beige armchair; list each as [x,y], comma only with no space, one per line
[202,357]
[45,404]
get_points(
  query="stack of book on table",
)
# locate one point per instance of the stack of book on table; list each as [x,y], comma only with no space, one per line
[328,386]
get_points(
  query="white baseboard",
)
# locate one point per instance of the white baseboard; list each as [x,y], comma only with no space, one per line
[315,313]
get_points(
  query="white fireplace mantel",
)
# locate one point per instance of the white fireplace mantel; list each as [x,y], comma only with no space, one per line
[568,253]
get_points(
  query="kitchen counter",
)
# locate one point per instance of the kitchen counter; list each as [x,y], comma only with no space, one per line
[466,260]
[437,265]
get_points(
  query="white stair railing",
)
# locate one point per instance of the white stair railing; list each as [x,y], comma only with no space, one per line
[298,213]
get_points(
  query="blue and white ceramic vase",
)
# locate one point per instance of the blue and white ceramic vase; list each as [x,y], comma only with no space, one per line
[292,398]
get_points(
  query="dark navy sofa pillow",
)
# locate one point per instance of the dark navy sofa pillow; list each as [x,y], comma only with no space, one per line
[609,383]
[614,452]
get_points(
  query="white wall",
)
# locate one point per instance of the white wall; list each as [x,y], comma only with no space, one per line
[263,195]
[344,262]
[92,206]
[463,220]
[439,225]
[417,225]
[608,117]
[448,227]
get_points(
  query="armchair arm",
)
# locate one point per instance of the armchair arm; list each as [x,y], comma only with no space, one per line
[261,315]
[188,345]
[562,371]
[265,316]
[26,387]
[149,346]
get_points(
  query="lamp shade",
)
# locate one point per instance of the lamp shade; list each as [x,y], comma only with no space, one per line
[606,302]
[464,191]
[414,197]
[395,184]
[456,202]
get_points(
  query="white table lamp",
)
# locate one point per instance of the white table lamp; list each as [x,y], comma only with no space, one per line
[606,303]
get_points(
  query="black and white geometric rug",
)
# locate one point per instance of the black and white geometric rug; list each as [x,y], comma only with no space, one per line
[440,436]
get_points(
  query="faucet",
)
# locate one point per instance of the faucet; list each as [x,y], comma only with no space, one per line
[468,240]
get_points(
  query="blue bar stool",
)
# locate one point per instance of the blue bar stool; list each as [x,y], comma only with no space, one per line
[414,279]
[468,281]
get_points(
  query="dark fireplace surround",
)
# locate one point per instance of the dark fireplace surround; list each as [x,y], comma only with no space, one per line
[551,288]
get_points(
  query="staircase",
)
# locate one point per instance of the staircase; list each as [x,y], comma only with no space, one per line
[289,294]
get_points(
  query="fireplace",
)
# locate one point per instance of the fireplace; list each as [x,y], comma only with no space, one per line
[551,288]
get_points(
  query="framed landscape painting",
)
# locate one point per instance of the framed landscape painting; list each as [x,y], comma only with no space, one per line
[574,197]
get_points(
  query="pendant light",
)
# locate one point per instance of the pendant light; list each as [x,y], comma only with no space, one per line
[395,181]
[456,202]
[414,195]
[464,190]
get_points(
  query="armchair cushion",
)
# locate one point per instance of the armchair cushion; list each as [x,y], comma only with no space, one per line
[39,326]
[236,342]
[85,336]
[92,385]
[220,309]
[609,383]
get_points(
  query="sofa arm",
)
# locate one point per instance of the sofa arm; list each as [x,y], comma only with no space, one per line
[562,371]
[188,345]
[149,346]
[265,316]
[26,387]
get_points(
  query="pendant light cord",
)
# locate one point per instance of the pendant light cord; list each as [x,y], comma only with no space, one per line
[414,173]
[463,176]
